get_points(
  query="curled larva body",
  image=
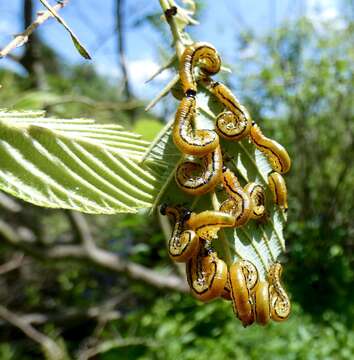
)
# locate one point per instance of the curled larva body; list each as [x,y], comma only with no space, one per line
[188,140]
[206,274]
[208,60]
[257,195]
[243,280]
[198,179]
[262,303]
[183,244]
[280,306]
[226,293]
[239,204]
[278,188]
[207,223]
[234,123]
[277,155]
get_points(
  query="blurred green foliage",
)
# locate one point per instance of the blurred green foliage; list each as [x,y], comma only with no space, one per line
[179,327]
[301,90]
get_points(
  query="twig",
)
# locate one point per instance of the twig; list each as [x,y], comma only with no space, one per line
[107,345]
[177,39]
[120,18]
[167,230]
[83,231]
[97,256]
[49,346]
[14,263]
[104,311]
[22,38]
[9,204]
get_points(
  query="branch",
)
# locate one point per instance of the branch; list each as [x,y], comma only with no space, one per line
[49,346]
[22,38]
[121,48]
[9,204]
[97,256]
[168,6]
[101,312]
[14,263]
[107,345]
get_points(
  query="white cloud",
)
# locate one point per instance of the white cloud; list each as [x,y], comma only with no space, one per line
[142,69]
[139,71]
[324,13]
[109,70]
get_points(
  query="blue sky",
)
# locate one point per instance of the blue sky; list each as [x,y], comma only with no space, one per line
[220,22]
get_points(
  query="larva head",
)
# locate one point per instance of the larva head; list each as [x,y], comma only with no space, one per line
[255,130]
[163,208]
[175,211]
[191,93]
[186,214]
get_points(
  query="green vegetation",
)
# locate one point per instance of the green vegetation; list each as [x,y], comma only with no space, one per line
[301,90]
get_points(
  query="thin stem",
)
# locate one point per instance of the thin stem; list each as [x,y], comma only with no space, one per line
[177,38]
[22,38]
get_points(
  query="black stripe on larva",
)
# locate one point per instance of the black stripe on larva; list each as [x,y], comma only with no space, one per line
[184,248]
[255,307]
[195,54]
[235,192]
[275,190]
[230,102]
[188,141]
[209,224]
[268,149]
[234,306]
[205,181]
[255,281]
[269,302]
[232,136]
[211,282]
[262,195]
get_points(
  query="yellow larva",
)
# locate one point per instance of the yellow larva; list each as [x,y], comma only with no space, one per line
[183,244]
[234,123]
[278,188]
[243,280]
[257,195]
[198,179]
[262,303]
[188,140]
[207,223]
[278,157]
[206,274]
[208,60]
[279,301]
[239,202]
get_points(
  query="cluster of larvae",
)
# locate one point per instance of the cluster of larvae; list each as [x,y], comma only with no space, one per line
[193,233]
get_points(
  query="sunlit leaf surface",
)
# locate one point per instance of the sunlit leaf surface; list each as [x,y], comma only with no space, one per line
[75,164]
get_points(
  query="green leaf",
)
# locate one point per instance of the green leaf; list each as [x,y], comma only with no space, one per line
[261,243]
[79,47]
[74,164]
[148,128]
